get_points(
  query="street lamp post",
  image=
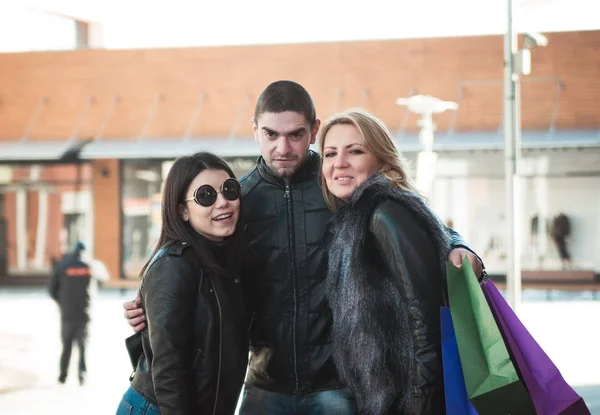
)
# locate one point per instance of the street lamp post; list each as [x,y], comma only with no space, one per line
[426,106]
[512,153]
[517,62]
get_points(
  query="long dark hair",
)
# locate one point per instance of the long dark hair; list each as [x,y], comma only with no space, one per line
[175,229]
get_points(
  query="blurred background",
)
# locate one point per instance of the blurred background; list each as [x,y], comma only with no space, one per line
[98,98]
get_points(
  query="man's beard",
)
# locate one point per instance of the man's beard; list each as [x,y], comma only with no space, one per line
[284,172]
[283,169]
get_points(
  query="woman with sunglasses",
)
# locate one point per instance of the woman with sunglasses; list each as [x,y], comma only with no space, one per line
[195,349]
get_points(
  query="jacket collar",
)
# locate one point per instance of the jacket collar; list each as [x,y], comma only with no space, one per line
[308,169]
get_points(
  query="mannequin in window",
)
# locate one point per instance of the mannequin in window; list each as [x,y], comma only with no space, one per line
[561,230]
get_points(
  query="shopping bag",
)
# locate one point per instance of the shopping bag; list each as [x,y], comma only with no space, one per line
[457,401]
[550,393]
[491,381]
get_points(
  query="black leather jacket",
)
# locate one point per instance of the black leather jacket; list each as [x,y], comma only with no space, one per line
[290,340]
[195,349]
[406,251]
[387,245]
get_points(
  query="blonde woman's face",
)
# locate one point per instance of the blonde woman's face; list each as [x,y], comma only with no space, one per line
[347,162]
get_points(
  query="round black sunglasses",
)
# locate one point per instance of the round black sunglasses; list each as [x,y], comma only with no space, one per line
[206,195]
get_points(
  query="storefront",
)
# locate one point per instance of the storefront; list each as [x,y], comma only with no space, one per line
[109,197]
[44,209]
[469,194]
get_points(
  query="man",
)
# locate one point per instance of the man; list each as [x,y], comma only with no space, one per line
[291,369]
[71,287]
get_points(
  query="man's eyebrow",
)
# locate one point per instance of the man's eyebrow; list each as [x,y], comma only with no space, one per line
[267,129]
[296,131]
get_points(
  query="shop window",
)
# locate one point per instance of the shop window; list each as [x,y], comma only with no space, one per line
[44,210]
[142,181]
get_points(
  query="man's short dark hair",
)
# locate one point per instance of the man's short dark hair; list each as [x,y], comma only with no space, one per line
[281,96]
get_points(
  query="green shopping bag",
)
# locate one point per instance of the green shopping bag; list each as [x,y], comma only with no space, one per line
[492,383]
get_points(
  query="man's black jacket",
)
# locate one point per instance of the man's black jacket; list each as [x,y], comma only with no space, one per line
[290,339]
[70,286]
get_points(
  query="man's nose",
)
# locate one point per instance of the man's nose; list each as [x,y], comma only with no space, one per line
[283,147]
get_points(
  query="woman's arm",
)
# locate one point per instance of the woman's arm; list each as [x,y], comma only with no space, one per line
[460,249]
[169,292]
[408,252]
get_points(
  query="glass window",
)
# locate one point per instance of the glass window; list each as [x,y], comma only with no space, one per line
[559,208]
[141,196]
[44,210]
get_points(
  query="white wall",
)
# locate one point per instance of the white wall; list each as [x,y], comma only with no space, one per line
[477,207]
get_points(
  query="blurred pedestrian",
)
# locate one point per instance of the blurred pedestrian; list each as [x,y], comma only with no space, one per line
[74,281]
[561,231]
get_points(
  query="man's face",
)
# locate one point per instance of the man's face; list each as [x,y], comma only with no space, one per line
[284,139]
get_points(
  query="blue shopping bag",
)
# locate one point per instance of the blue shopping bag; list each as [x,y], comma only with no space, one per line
[457,401]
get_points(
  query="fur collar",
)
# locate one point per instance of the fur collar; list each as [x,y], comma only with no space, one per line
[376,183]
[372,343]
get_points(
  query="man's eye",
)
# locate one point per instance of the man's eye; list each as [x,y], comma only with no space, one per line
[270,133]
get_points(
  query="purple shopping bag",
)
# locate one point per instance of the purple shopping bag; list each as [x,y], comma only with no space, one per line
[549,392]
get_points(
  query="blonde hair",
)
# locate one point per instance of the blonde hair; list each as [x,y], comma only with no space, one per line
[380,143]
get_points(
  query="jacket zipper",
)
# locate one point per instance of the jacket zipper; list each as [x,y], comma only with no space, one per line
[288,197]
[197,358]
[220,344]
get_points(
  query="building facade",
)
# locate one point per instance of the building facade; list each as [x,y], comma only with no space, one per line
[87,136]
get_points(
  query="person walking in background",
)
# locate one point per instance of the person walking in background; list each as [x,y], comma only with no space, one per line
[73,283]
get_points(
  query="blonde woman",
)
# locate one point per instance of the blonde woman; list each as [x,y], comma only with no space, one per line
[386,270]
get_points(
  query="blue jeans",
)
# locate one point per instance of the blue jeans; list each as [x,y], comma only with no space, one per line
[330,402]
[135,404]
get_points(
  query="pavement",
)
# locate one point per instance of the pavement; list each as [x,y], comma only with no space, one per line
[30,348]
[566,327]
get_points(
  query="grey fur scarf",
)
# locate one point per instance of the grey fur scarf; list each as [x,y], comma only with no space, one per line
[372,343]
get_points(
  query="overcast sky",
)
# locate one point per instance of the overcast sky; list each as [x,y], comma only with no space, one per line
[157,23]
[276,21]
